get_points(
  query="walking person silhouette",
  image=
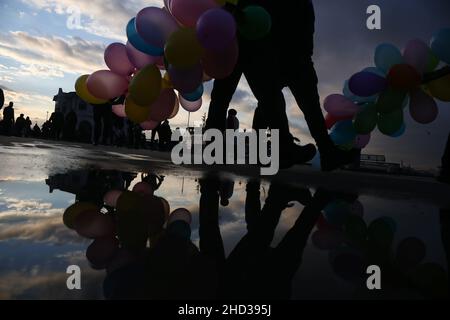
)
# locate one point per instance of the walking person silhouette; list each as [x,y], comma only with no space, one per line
[261,63]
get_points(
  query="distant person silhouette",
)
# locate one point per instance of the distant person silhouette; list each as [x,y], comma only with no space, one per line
[232,120]
[165,136]
[36,131]
[8,119]
[102,123]
[27,130]
[445,171]
[70,126]
[56,125]
[19,127]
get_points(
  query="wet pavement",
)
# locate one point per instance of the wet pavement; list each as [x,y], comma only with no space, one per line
[301,235]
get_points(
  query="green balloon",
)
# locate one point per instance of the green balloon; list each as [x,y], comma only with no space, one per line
[390,100]
[366,120]
[355,230]
[256,23]
[380,234]
[433,62]
[390,123]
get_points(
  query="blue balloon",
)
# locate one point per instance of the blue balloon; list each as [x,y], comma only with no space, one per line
[343,132]
[440,45]
[400,132]
[194,96]
[139,43]
[358,100]
[387,56]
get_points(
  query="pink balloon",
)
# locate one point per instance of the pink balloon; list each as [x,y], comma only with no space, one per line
[149,125]
[111,198]
[186,80]
[155,26]
[119,110]
[143,188]
[116,59]
[417,54]
[220,65]
[180,215]
[107,85]
[140,59]
[362,141]
[187,12]
[216,29]
[191,106]
[423,108]
[163,107]
[339,106]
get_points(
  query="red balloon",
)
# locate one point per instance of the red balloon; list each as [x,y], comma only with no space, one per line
[163,107]
[220,65]
[93,224]
[101,252]
[404,77]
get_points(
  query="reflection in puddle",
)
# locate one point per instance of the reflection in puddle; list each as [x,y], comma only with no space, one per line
[165,237]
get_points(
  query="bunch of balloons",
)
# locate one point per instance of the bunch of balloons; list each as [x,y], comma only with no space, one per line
[134,218]
[377,96]
[174,48]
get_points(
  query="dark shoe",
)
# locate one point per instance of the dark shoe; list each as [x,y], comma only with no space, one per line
[336,158]
[295,154]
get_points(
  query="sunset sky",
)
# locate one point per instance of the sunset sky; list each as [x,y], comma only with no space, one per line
[39,54]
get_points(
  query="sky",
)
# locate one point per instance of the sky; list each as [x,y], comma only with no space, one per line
[39,53]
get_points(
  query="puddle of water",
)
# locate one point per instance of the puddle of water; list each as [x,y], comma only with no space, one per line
[247,239]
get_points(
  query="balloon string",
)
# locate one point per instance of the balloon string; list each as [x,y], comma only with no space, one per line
[435,75]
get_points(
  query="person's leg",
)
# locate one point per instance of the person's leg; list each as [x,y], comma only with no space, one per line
[221,96]
[303,83]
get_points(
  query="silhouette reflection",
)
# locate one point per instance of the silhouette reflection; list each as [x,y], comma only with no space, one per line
[150,251]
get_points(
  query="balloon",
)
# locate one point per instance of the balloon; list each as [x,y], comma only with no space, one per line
[163,107]
[166,207]
[355,229]
[182,49]
[410,252]
[390,100]
[137,42]
[366,120]
[106,85]
[417,55]
[440,44]
[381,234]
[387,56]
[92,224]
[143,188]
[149,125]
[83,92]
[176,109]
[180,215]
[116,59]
[221,64]
[433,62]
[72,212]
[140,59]
[343,133]
[166,83]
[191,106]
[102,251]
[135,112]
[367,84]
[146,86]
[216,29]
[119,110]
[348,94]
[440,89]
[186,80]
[400,132]
[155,26]
[111,198]
[390,123]
[340,106]
[194,96]
[187,12]
[423,108]
[362,141]
[330,120]
[403,77]
[256,23]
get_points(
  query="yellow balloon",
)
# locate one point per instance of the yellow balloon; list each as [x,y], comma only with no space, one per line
[166,82]
[135,112]
[83,92]
[183,50]
[440,88]
[146,86]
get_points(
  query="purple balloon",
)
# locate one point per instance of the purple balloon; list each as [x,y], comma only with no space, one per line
[339,106]
[423,108]
[191,106]
[116,59]
[216,29]
[140,60]
[186,80]
[155,26]
[119,110]
[367,84]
